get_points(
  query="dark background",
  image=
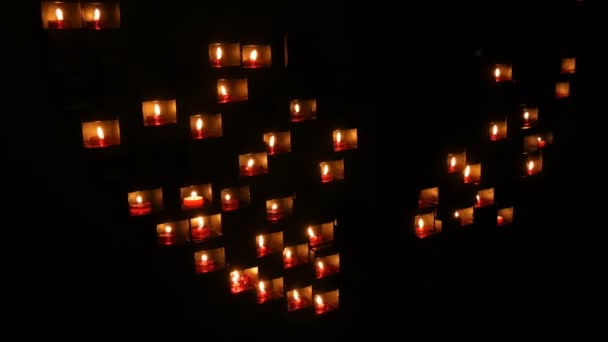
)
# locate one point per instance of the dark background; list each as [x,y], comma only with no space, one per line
[425,93]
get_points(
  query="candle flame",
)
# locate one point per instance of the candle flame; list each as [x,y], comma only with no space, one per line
[227,197]
[338,137]
[223,90]
[526,115]
[325,169]
[319,300]
[193,194]
[287,253]
[261,241]
[295,295]
[168,229]
[296,108]
[320,265]
[531,165]
[271,141]
[261,286]
[156,109]
[201,222]
[59,14]
[420,224]
[311,232]
[456,214]
[497,72]
[250,162]
[494,129]
[100,133]
[138,199]
[204,258]
[96,14]
[478,198]
[467,171]
[539,139]
[199,124]
[253,55]
[453,161]
[235,276]
[274,206]
[218,53]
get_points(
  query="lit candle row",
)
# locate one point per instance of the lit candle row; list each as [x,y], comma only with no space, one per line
[61,16]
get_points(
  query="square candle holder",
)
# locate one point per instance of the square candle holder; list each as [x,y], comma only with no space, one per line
[504,216]
[204,126]
[331,170]
[253,164]
[159,112]
[302,110]
[243,280]
[256,56]
[456,162]
[101,15]
[268,244]
[232,90]
[326,266]
[562,90]
[568,65]
[172,233]
[224,55]
[498,130]
[299,298]
[295,255]
[196,196]
[320,234]
[464,216]
[502,73]
[145,202]
[270,290]
[326,302]
[428,198]
[484,198]
[279,208]
[96,134]
[536,142]
[235,198]
[344,139]
[205,227]
[57,15]
[533,164]
[210,260]
[529,116]
[472,174]
[425,224]
[277,142]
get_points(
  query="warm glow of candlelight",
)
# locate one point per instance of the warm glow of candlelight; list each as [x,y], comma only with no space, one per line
[100,134]
[261,241]
[138,199]
[420,224]
[199,124]
[204,258]
[319,300]
[218,53]
[531,165]
[497,72]
[274,206]
[325,169]
[478,199]
[338,137]
[168,229]
[250,163]
[271,141]
[320,265]
[262,287]
[223,90]
[467,171]
[456,214]
[193,194]
[201,222]
[59,14]
[235,276]
[296,295]
[494,129]
[453,162]
[253,55]
[539,139]
[227,197]
[296,107]
[156,109]
[311,232]
[287,253]
[526,115]
[96,14]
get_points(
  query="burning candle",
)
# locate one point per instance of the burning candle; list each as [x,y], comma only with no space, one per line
[205,264]
[140,207]
[95,23]
[58,22]
[156,119]
[262,249]
[201,232]
[97,140]
[530,167]
[313,238]
[320,270]
[320,306]
[541,142]
[252,62]
[167,237]
[494,133]
[296,114]
[452,165]
[288,260]
[499,220]
[198,132]
[497,74]
[421,228]
[457,217]
[237,285]
[193,201]
[326,176]
[271,142]
[526,119]
[217,61]
[274,214]
[338,143]
[223,92]
[296,301]
[263,293]
[477,201]
[467,174]
[229,203]
[249,169]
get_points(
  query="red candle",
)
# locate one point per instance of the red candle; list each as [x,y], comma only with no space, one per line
[156,119]
[497,74]
[499,220]
[326,176]
[541,142]
[240,282]
[452,165]
[205,265]
[98,140]
[421,230]
[313,238]
[217,61]
[202,232]
[198,132]
[296,114]
[530,167]
[339,145]
[526,119]
[322,270]
[57,24]
[167,238]
[467,174]
[288,259]
[494,133]
[140,207]
[271,142]
[262,249]
[477,201]
[252,62]
[193,201]
[229,203]
[264,294]
[223,94]
[249,169]
[274,214]
[320,306]
[95,23]
[295,302]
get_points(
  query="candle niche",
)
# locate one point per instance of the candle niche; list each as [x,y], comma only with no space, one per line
[327,265]
[61,15]
[256,56]
[472,174]
[464,216]
[537,142]
[320,234]
[456,162]
[232,90]
[504,216]
[279,208]
[269,290]
[203,126]
[562,90]
[534,164]
[299,298]
[253,164]
[100,133]
[568,66]
[428,198]
[196,196]
[498,130]
[302,110]
[529,117]
[235,197]
[426,225]
[210,260]
[100,16]
[159,112]
[224,55]
[331,170]
[344,139]
[145,202]
[502,73]
[172,233]
[203,228]
[243,280]
[267,244]
[278,142]
[326,301]
[484,198]
[295,255]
